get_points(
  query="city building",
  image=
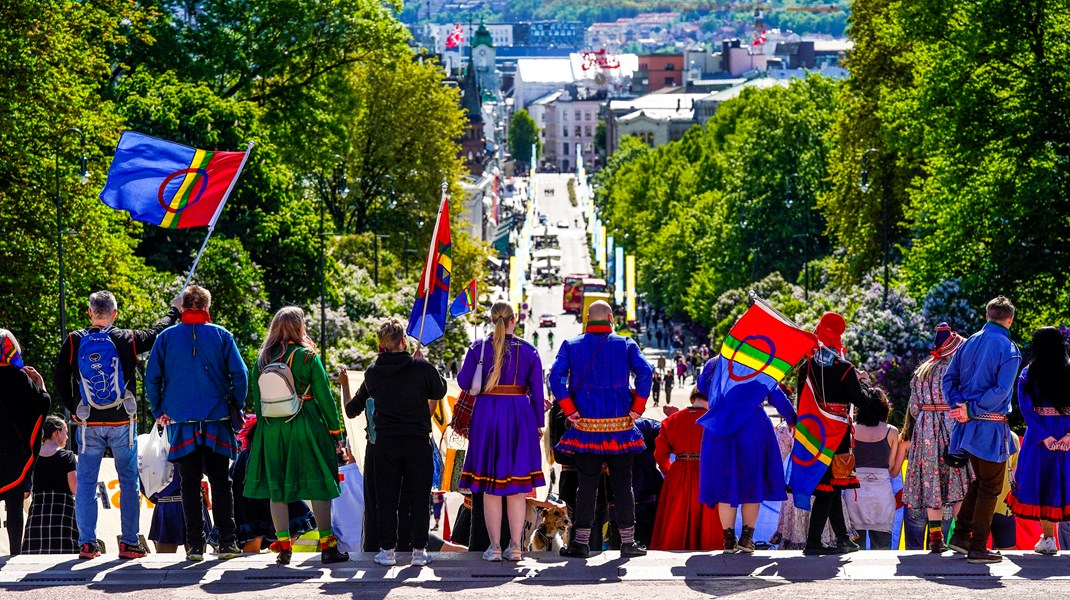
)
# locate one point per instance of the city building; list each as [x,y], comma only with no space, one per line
[565,122]
[483,55]
[549,34]
[473,145]
[500,33]
[591,72]
[657,71]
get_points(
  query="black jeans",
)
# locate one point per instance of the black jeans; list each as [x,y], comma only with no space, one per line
[204,461]
[878,540]
[403,467]
[13,499]
[589,467]
[827,508]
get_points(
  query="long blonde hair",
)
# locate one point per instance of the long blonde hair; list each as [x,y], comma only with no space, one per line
[287,327]
[500,315]
[925,369]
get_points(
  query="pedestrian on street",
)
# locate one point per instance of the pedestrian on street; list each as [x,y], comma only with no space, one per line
[655,385]
[669,380]
[107,416]
[930,484]
[591,378]
[504,462]
[404,387]
[978,386]
[194,380]
[659,336]
[1043,477]
[295,456]
[832,384]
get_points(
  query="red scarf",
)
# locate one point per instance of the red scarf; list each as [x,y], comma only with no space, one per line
[195,316]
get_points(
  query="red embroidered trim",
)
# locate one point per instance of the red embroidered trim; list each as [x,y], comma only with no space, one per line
[599,329]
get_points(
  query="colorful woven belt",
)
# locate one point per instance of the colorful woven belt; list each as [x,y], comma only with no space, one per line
[508,390]
[836,408]
[935,408]
[1047,411]
[687,456]
[468,502]
[990,417]
[604,425]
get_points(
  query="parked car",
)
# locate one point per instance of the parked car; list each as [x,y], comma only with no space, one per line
[547,320]
[562,224]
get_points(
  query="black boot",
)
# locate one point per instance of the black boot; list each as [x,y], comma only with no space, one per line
[730,545]
[632,549]
[845,545]
[333,555]
[576,550]
[284,557]
[746,540]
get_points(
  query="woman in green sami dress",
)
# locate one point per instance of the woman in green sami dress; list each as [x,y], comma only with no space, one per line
[293,458]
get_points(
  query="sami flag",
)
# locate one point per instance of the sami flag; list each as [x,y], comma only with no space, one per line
[9,354]
[167,184]
[759,351]
[817,435]
[465,302]
[427,322]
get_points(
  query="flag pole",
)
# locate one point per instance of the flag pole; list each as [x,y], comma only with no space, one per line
[218,210]
[776,313]
[428,266]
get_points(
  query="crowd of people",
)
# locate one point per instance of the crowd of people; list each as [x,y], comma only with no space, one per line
[626,482]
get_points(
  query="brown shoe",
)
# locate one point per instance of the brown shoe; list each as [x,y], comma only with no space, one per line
[983,557]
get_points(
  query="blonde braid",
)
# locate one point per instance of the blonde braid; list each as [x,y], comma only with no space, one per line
[500,314]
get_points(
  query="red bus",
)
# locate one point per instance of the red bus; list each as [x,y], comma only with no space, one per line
[572,297]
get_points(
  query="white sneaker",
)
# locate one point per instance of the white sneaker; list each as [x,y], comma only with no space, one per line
[420,557]
[385,558]
[1046,545]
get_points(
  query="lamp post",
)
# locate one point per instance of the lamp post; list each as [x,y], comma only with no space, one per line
[378,237]
[83,178]
[793,184]
[408,251]
[343,191]
[885,192]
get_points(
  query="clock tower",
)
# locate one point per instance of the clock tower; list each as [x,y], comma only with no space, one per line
[483,57]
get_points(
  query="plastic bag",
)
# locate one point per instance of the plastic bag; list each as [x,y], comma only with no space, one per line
[152,464]
[347,510]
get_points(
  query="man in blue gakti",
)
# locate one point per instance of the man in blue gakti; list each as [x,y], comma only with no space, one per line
[978,385]
[591,380]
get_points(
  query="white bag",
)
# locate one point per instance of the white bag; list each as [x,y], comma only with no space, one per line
[152,464]
[347,510]
[278,398]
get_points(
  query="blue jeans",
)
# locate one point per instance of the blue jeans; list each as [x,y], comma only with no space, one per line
[85,500]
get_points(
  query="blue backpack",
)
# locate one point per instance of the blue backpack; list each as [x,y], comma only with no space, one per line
[102,372]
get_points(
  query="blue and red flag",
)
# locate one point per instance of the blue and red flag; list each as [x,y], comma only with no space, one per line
[817,435]
[9,354]
[170,185]
[427,322]
[759,351]
[465,302]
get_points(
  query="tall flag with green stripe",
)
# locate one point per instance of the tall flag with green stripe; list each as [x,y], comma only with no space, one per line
[817,435]
[759,351]
[170,185]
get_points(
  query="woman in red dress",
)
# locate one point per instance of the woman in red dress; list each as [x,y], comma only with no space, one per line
[684,523]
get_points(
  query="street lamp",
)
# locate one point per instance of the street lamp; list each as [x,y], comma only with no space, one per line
[83,178]
[793,184]
[343,191]
[885,192]
[378,237]
[408,251]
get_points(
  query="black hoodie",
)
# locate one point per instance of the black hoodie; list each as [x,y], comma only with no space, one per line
[401,387]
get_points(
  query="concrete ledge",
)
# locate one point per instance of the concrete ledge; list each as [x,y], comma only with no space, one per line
[259,570]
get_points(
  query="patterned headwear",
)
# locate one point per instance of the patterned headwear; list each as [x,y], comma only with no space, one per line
[946,343]
[9,354]
[830,331]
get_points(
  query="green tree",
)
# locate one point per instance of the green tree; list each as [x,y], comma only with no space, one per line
[523,132]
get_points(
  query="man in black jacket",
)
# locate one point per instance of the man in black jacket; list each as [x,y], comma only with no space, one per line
[405,388]
[113,427]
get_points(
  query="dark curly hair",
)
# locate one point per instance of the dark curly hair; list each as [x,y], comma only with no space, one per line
[875,411]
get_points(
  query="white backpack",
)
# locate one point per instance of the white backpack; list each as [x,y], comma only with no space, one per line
[278,398]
